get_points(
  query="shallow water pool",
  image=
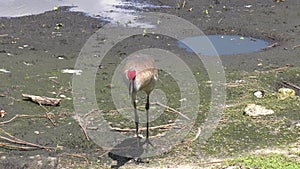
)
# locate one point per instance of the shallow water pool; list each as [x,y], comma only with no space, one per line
[222,44]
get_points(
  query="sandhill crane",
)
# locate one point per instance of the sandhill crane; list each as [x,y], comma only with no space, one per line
[142,74]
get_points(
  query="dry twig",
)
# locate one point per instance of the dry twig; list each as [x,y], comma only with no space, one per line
[170,108]
[15,146]
[271,46]
[48,115]
[291,84]
[54,81]
[166,126]
[15,140]
[62,90]
[296,46]
[82,124]
[197,135]
[22,115]
[77,156]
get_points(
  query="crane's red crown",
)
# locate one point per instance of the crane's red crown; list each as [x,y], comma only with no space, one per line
[131,74]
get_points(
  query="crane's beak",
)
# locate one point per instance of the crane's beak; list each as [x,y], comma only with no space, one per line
[131,86]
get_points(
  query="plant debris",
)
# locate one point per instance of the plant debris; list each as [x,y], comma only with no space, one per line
[43,100]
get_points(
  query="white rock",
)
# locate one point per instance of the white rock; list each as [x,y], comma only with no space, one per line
[72,71]
[4,71]
[257,110]
[259,94]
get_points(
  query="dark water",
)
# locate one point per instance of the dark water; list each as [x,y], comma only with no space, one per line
[223,44]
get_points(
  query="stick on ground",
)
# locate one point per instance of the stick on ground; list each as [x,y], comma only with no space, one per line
[22,115]
[166,126]
[43,100]
[15,140]
[291,84]
[170,108]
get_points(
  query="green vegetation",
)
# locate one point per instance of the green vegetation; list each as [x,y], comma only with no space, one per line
[264,162]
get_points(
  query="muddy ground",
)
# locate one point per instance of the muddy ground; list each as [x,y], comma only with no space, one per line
[31,49]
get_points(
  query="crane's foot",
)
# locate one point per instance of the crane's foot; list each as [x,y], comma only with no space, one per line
[148,142]
[140,161]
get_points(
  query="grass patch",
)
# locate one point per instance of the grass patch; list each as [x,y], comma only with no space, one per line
[264,162]
[238,133]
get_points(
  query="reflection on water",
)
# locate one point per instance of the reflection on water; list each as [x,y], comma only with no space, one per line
[116,11]
[223,44]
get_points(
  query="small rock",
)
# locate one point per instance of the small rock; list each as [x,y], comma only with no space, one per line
[259,94]
[72,71]
[27,64]
[2,113]
[284,93]
[62,96]
[257,110]
[183,99]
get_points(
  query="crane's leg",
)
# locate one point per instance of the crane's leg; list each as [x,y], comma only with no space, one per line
[147,123]
[147,111]
[136,119]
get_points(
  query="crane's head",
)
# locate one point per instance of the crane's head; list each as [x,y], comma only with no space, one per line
[131,74]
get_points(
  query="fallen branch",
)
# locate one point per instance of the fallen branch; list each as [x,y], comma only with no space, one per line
[296,46]
[290,84]
[170,108]
[15,146]
[166,126]
[82,125]
[154,103]
[277,69]
[22,115]
[43,100]
[273,45]
[54,81]
[62,90]
[15,140]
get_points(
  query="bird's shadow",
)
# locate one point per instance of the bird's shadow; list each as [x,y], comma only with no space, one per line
[128,149]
